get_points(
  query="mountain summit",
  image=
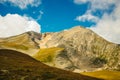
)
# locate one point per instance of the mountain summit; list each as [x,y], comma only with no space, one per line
[83,50]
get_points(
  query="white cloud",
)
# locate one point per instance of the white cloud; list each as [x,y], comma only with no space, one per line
[87,17]
[101,4]
[108,26]
[93,6]
[80,1]
[14,24]
[97,4]
[23,3]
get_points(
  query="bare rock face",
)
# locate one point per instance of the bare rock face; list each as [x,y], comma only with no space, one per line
[83,50]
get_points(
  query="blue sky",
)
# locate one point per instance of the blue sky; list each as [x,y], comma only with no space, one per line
[101,16]
[56,15]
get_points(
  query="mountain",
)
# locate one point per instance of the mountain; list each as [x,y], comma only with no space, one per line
[80,50]
[27,42]
[77,49]
[15,65]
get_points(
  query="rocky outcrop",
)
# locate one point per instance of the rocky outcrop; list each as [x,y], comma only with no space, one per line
[83,50]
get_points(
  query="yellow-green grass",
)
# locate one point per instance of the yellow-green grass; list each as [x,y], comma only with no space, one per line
[15,45]
[47,55]
[104,74]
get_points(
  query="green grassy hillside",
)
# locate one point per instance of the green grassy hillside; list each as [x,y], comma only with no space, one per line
[14,45]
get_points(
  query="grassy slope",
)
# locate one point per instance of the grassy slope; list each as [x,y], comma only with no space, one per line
[18,66]
[16,42]
[15,45]
[20,42]
[107,75]
[46,55]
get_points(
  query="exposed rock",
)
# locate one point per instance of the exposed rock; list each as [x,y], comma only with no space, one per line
[84,50]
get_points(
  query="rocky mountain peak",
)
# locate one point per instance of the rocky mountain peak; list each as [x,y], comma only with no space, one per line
[83,50]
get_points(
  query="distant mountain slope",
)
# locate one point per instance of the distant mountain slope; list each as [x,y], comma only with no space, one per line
[15,65]
[83,50]
[27,42]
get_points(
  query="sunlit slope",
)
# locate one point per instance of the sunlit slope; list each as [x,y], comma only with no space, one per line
[48,55]
[26,42]
[15,65]
[53,56]
[107,75]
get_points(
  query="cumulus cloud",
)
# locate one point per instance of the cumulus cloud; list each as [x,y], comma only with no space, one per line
[23,3]
[108,26]
[94,5]
[14,24]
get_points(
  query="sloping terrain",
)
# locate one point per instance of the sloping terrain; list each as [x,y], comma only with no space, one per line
[77,49]
[104,74]
[27,42]
[15,65]
[47,55]
[83,50]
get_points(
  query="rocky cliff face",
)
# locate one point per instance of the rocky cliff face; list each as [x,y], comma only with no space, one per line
[83,50]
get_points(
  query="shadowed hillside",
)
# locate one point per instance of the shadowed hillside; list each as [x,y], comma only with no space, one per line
[18,66]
